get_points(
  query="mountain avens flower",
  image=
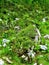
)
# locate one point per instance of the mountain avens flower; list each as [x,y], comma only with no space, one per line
[6,41]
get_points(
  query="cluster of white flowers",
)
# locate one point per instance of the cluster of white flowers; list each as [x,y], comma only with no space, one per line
[31,53]
[43,47]
[16,18]
[46,36]
[5,41]
[1,62]
[0,19]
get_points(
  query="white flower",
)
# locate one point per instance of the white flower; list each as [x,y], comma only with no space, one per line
[23,56]
[17,27]
[1,62]
[46,36]
[35,64]
[4,45]
[16,18]
[31,53]
[6,41]
[0,19]
[43,47]
[26,58]
[44,20]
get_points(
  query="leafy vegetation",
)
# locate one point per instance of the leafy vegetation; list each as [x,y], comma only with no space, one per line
[24,32]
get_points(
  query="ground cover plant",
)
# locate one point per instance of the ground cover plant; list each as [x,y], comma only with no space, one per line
[24,32]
